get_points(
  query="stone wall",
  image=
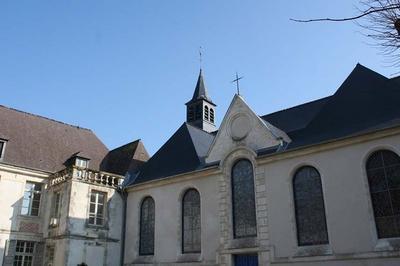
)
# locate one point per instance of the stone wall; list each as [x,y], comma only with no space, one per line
[168,246]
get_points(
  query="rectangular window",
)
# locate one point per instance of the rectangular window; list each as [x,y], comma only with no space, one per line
[56,204]
[82,163]
[2,145]
[96,208]
[49,256]
[31,200]
[24,251]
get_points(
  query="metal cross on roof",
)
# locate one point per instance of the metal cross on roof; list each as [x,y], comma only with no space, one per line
[201,56]
[237,82]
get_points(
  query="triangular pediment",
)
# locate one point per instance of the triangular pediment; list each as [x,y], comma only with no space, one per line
[242,127]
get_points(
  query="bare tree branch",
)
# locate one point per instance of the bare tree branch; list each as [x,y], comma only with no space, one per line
[380,21]
[365,13]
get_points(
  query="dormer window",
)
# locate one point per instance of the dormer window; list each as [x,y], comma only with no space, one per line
[2,148]
[81,162]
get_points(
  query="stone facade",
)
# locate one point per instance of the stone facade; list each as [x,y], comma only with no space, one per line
[71,238]
[94,217]
[14,226]
[349,214]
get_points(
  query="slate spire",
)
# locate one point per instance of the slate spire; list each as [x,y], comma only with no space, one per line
[200,91]
[201,109]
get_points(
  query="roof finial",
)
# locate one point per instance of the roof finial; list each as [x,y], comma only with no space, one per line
[200,57]
[237,82]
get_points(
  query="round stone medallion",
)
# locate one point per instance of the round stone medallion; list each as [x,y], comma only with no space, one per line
[240,126]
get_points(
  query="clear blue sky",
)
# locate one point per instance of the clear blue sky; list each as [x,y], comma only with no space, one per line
[125,68]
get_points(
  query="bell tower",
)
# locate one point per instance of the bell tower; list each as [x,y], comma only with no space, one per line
[200,110]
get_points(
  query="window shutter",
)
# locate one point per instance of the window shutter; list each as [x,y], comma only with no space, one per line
[9,252]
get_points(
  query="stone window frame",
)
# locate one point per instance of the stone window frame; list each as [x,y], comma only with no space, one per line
[137,257]
[146,256]
[48,259]
[42,188]
[226,211]
[381,244]
[314,250]
[81,162]
[233,200]
[56,212]
[92,189]
[188,257]
[296,172]
[24,254]
[3,143]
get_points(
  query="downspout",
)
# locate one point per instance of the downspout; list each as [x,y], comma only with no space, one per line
[121,190]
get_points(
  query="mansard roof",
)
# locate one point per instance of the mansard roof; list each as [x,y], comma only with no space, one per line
[365,102]
[40,143]
[183,152]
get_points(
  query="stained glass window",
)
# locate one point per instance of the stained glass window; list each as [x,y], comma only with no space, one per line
[309,207]
[191,222]
[147,220]
[383,171]
[243,200]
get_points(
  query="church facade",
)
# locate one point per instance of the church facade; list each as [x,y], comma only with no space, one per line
[315,184]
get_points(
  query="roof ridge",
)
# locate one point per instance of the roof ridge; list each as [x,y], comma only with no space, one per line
[43,117]
[296,106]
[126,144]
[200,129]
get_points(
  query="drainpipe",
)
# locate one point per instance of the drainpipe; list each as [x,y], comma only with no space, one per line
[122,192]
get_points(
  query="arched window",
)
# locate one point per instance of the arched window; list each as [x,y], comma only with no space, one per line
[383,171]
[309,207]
[211,115]
[198,111]
[243,200]
[147,220]
[190,115]
[191,222]
[206,112]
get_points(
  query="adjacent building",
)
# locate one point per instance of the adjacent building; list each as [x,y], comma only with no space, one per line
[59,192]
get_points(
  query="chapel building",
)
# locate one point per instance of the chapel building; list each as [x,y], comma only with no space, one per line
[315,184]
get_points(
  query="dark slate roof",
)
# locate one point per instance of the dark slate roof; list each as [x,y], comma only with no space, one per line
[127,158]
[365,102]
[40,143]
[183,152]
[200,92]
[296,117]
